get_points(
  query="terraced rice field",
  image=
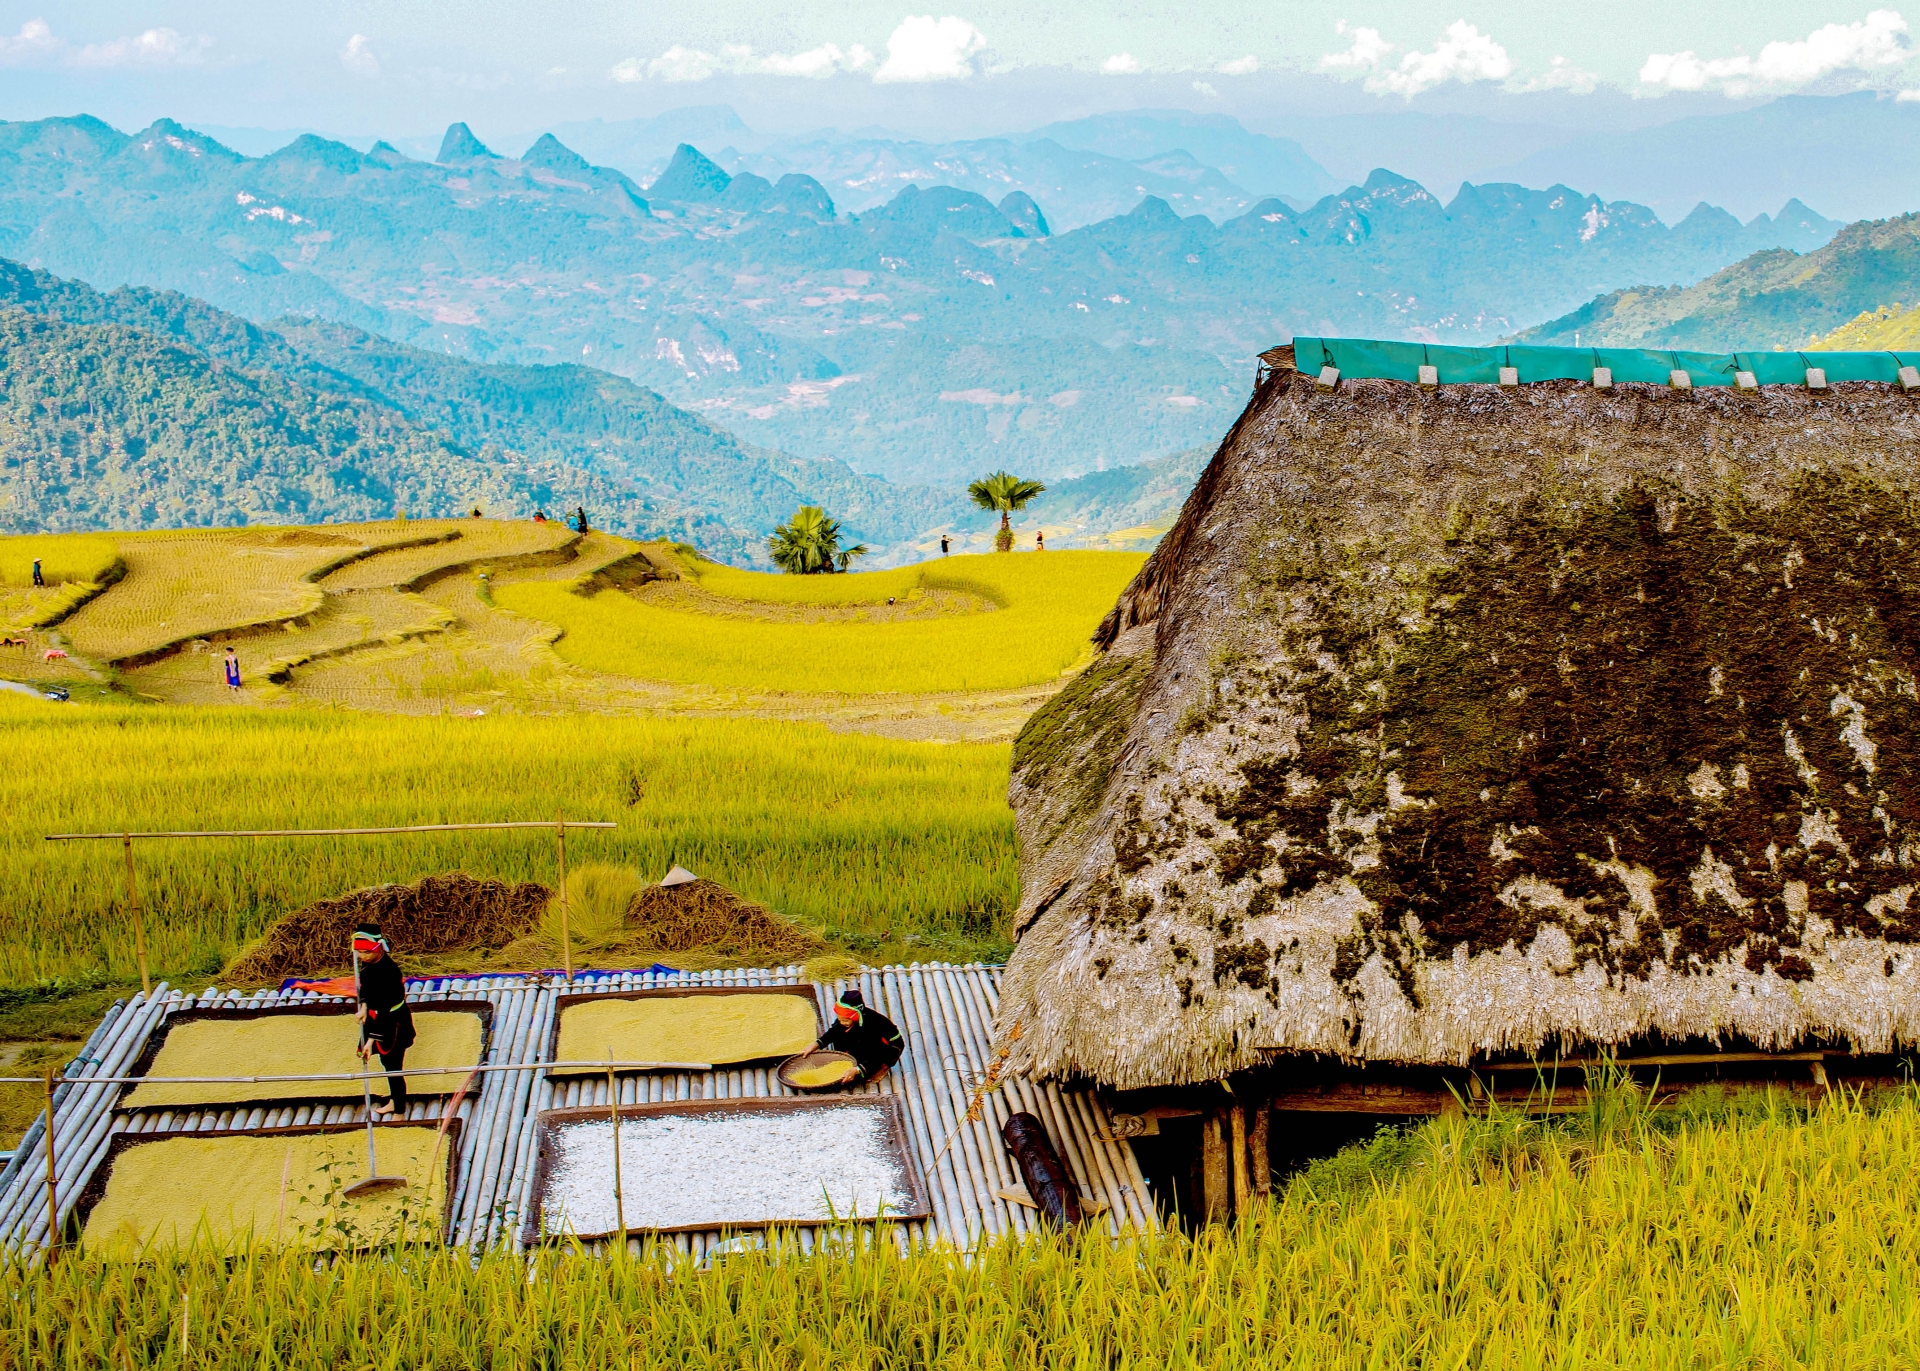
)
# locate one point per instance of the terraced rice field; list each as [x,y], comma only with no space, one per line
[1039,612]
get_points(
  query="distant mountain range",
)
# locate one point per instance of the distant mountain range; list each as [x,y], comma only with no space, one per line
[931,336]
[150,409]
[1773,298]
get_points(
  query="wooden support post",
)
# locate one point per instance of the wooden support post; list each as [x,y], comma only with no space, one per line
[133,905]
[53,1193]
[1214,1168]
[566,937]
[1242,1183]
[613,1107]
[1258,1159]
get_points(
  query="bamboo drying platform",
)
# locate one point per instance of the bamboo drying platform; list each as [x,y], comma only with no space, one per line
[946,1012]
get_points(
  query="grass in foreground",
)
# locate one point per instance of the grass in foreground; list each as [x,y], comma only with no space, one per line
[1048,603]
[1757,1237]
[878,842]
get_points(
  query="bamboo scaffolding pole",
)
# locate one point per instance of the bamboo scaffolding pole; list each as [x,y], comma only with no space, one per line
[133,907]
[364,1075]
[328,832]
[53,1193]
[566,938]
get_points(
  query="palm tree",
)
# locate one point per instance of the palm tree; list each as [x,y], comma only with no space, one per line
[809,544]
[1006,493]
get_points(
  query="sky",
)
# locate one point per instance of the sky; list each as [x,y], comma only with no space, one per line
[965,68]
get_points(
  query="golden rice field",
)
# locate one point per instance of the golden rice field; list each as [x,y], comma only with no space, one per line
[878,839]
[72,565]
[454,542]
[80,557]
[1768,1240]
[1046,607]
[195,583]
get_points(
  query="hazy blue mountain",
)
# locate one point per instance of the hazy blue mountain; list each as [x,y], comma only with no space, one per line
[1856,156]
[1259,163]
[937,333]
[1073,186]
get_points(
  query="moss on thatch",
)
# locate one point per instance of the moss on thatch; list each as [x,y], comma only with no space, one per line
[1480,719]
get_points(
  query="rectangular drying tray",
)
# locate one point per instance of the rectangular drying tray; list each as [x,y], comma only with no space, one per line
[96,1187]
[919,1206]
[561,1004]
[483,1009]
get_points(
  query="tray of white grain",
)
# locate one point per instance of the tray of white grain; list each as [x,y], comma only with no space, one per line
[700,1164]
[300,1040]
[701,1025]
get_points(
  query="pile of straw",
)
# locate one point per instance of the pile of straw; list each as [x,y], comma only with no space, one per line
[445,913]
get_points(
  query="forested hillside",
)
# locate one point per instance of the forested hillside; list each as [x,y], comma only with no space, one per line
[1776,298]
[143,408]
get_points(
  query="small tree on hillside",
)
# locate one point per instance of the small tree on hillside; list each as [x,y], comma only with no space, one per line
[808,544]
[1005,492]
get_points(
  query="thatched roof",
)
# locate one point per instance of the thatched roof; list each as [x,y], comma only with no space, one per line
[1474,720]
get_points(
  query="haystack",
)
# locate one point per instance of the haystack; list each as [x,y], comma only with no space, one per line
[446,913]
[1474,719]
[698,915]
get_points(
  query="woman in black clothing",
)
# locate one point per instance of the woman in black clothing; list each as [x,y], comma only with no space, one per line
[386,1021]
[868,1036]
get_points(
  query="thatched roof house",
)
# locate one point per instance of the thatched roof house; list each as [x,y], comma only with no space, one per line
[1477,718]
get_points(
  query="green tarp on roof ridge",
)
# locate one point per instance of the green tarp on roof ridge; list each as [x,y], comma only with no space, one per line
[1365,357]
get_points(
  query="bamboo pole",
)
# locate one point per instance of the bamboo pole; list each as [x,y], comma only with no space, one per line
[613,1108]
[1242,1191]
[53,1194]
[566,937]
[133,904]
[326,832]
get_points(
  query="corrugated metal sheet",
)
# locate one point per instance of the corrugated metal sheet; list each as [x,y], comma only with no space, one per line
[946,1012]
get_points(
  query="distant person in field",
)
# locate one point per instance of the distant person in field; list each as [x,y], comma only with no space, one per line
[539,516]
[580,518]
[476,512]
[1039,542]
[386,1020]
[233,670]
[38,579]
[943,545]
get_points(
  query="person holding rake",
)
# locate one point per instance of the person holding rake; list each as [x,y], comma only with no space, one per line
[386,1020]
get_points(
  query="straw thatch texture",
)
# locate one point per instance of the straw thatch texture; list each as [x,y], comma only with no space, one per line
[1468,721]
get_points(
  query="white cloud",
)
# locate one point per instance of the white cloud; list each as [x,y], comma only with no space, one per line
[1564,75]
[154,48]
[1240,66]
[1879,40]
[682,64]
[1907,97]
[1121,64]
[1367,48]
[824,60]
[1206,89]
[358,57]
[35,39]
[1462,54]
[927,49]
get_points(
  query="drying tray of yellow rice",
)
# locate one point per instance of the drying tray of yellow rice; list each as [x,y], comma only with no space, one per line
[281,1186]
[698,1026]
[300,1041]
